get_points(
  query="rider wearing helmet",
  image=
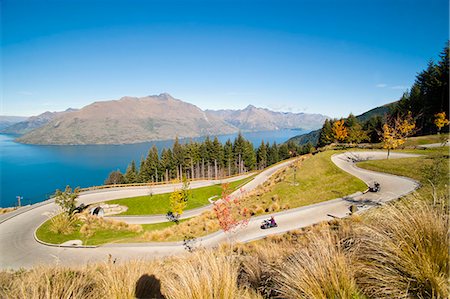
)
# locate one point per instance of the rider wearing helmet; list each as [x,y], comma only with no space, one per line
[272,221]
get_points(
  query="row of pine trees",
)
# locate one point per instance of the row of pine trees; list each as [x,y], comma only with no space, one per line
[209,159]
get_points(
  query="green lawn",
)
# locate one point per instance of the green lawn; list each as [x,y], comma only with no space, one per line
[428,139]
[159,203]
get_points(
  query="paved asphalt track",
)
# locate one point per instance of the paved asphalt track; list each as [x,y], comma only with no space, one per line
[20,249]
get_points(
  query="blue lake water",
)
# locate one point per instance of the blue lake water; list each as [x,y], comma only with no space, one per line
[35,171]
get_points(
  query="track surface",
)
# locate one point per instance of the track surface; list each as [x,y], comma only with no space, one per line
[20,249]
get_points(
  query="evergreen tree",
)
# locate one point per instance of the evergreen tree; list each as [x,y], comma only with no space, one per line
[142,174]
[167,164]
[249,156]
[208,149]
[262,155]
[283,152]
[217,155]
[131,173]
[428,95]
[228,157]
[356,134]
[326,133]
[374,127]
[307,148]
[152,164]
[273,154]
[238,150]
[178,158]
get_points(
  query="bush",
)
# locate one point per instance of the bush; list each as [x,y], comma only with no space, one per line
[62,224]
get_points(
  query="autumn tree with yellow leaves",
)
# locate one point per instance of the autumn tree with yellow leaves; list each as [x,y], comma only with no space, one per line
[396,132]
[340,132]
[440,121]
[179,199]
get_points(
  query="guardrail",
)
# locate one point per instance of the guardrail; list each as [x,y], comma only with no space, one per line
[150,184]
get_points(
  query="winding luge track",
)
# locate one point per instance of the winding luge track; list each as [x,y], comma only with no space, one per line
[20,249]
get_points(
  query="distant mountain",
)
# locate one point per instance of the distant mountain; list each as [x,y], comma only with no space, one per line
[260,119]
[129,120]
[33,122]
[7,121]
[313,136]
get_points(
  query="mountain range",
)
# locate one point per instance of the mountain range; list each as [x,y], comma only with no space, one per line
[157,117]
[23,125]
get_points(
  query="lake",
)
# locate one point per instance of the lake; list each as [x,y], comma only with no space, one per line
[36,171]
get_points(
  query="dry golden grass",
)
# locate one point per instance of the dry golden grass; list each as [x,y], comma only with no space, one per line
[402,251]
[319,270]
[204,274]
[6,210]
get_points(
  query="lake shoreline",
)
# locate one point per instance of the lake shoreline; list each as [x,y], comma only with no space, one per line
[36,171]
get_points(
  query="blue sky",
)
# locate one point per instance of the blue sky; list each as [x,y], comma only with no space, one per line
[330,57]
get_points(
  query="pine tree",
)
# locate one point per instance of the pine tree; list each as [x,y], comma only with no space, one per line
[283,152]
[262,155]
[167,164]
[326,133]
[238,150]
[152,164]
[208,148]
[228,157]
[131,173]
[178,157]
[249,156]
[356,134]
[142,174]
[217,155]
[273,154]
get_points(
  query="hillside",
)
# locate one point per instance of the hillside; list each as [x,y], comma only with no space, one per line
[313,136]
[378,111]
[29,124]
[128,120]
[259,119]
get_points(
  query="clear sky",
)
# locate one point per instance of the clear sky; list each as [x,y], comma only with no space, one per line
[315,56]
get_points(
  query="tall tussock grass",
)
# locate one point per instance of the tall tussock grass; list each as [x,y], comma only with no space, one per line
[396,251]
[320,270]
[402,252]
[204,274]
